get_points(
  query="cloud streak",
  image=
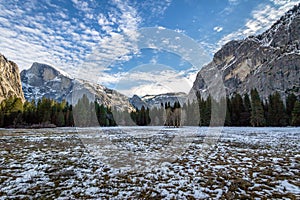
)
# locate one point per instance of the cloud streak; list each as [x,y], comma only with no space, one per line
[85,38]
[261,19]
[58,38]
[153,79]
[43,37]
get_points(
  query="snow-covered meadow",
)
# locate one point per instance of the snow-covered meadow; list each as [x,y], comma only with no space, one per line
[150,162]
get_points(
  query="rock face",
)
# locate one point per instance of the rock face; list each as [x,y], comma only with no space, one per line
[137,102]
[152,101]
[268,62]
[45,81]
[10,82]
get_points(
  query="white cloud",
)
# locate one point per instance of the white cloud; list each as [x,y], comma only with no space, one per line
[280,2]
[153,60]
[82,6]
[86,52]
[179,31]
[152,79]
[261,19]
[156,8]
[40,38]
[67,43]
[218,28]
[233,2]
[147,89]
[103,21]
[161,28]
[118,42]
[230,7]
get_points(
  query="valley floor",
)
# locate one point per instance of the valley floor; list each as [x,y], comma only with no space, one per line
[150,162]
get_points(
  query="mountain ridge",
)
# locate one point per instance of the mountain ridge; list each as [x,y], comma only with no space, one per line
[268,62]
[152,101]
[42,80]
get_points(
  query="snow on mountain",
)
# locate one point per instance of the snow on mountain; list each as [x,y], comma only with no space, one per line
[42,80]
[152,101]
[268,62]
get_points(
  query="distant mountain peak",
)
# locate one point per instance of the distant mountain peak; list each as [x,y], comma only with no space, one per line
[43,80]
[156,100]
[36,66]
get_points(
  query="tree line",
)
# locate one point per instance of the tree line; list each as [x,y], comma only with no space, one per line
[256,112]
[90,113]
[251,110]
[50,113]
[43,113]
[246,110]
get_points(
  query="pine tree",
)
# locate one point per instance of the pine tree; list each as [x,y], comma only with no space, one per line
[82,112]
[290,102]
[245,115]
[228,112]
[205,111]
[102,116]
[29,112]
[1,118]
[296,114]
[148,119]
[2,113]
[60,119]
[276,111]
[71,117]
[142,116]
[12,109]
[237,108]
[257,112]
[177,114]
[44,110]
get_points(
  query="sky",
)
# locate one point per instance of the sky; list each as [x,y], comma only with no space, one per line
[133,46]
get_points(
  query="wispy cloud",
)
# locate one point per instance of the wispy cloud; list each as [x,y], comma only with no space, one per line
[153,79]
[120,28]
[233,2]
[261,19]
[44,37]
[58,38]
[230,7]
[84,43]
[157,8]
[218,28]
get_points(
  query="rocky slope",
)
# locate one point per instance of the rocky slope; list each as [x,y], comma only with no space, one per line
[10,82]
[152,101]
[45,81]
[269,62]
[137,102]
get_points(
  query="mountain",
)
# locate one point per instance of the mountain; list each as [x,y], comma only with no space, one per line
[152,101]
[42,80]
[268,62]
[137,102]
[10,82]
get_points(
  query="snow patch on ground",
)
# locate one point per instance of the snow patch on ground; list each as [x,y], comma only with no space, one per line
[61,163]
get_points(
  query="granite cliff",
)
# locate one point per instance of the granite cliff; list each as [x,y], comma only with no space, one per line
[42,80]
[10,82]
[268,62]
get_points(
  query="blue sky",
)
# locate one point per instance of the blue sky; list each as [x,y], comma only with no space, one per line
[142,47]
